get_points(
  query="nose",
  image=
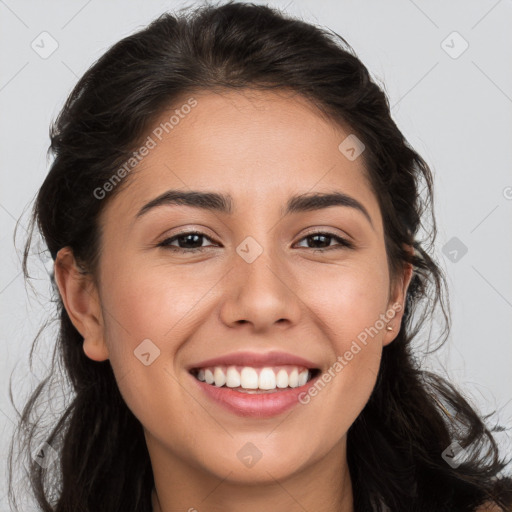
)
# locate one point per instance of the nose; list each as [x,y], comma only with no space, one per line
[262,293]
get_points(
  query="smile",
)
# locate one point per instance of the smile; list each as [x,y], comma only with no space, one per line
[254,392]
[247,379]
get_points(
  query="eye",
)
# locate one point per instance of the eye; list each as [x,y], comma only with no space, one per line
[195,239]
[192,238]
[323,239]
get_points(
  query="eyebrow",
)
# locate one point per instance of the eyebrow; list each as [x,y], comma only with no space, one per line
[223,203]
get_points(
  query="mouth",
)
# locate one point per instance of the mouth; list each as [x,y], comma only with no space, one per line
[255,380]
[254,392]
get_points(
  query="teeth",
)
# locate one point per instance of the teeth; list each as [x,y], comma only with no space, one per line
[303,378]
[248,378]
[208,376]
[293,378]
[267,379]
[232,377]
[282,379]
[219,376]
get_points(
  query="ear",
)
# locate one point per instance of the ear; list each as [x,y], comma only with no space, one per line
[396,304]
[81,300]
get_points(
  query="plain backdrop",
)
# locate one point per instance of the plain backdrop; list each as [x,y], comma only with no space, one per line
[446,69]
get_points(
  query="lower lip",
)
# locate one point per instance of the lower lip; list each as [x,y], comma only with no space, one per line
[261,405]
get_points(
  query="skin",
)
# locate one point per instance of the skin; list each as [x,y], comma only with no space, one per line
[261,148]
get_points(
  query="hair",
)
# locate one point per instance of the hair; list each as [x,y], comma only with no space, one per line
[395,446]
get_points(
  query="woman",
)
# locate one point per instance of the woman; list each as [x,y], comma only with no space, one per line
[234,220]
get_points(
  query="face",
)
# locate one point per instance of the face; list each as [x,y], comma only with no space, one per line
[263,275]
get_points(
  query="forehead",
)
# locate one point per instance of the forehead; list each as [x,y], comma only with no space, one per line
[259,147]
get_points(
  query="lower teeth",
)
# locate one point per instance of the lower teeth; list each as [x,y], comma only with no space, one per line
[256,391]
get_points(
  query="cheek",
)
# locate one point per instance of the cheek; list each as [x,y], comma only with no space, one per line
[348,305]
[144,330]
[151,303]
[150,313]
[346,300]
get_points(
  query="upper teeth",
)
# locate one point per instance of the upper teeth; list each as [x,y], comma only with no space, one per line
[255,378]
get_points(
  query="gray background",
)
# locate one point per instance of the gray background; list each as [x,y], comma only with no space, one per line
[454,109]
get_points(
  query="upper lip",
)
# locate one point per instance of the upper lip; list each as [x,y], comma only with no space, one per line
[255,359]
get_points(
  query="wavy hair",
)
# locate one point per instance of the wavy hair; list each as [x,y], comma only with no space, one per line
[395,446]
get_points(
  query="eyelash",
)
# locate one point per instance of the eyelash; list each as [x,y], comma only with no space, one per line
[343,243]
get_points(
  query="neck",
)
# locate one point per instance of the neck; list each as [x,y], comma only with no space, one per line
[325,485]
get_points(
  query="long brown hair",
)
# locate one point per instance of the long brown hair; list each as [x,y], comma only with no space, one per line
[395,446]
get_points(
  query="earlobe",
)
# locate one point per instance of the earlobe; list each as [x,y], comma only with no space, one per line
[397,305]
[80,298]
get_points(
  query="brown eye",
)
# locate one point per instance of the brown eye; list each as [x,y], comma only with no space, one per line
[191,241]
[322,241]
